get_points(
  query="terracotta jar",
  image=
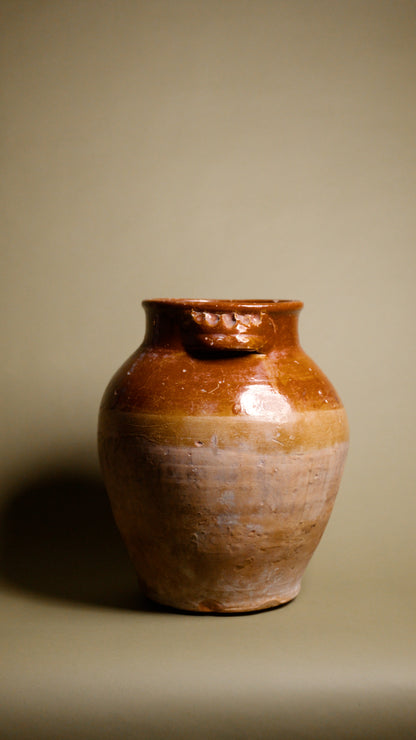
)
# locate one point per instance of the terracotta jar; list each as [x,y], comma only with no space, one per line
[222,446]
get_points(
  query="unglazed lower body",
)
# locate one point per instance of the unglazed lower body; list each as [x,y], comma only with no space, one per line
[222,514]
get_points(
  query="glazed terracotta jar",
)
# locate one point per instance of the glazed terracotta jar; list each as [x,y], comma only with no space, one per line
[222,446]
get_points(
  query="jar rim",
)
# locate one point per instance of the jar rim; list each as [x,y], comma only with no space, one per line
[227,304]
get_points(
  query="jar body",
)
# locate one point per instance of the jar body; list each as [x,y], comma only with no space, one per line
[222,447]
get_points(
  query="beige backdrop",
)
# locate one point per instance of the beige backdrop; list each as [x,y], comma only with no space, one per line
[255,149]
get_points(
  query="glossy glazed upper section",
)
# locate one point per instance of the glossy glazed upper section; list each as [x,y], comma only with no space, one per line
[221,325]
[169,381]
[171,373]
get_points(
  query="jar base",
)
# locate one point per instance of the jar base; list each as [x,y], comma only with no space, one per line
[211,606]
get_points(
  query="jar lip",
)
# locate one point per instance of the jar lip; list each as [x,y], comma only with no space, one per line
[214,304]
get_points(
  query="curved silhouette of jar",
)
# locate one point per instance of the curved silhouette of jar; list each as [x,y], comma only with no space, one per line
[222,446]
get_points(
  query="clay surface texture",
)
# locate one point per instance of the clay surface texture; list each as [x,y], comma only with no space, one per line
[222,446]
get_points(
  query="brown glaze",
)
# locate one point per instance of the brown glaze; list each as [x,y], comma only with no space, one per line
[222,447]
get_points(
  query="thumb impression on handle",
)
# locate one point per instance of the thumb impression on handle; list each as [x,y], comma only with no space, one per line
[228,331]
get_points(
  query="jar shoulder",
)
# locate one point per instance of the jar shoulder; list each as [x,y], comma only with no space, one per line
[177,383]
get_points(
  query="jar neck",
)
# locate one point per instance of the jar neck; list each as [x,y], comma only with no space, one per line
[212,327]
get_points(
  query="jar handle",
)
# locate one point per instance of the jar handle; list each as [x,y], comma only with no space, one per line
[236,331]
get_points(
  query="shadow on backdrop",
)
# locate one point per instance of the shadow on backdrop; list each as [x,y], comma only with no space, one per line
[59,540]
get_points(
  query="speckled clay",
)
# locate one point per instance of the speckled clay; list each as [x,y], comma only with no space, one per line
[222,447]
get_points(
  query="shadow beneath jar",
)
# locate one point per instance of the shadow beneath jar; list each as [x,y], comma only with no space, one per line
[59,540]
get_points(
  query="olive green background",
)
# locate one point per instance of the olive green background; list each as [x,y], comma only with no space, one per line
[204,149]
